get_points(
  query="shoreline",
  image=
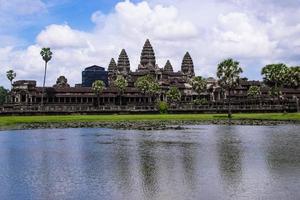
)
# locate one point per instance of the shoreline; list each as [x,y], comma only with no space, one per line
[145,125]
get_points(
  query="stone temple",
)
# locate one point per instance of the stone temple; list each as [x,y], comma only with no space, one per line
[61,96]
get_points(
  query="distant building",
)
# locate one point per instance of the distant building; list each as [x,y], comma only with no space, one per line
[93,73]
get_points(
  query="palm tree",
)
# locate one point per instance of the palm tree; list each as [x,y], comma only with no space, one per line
[293,77]
[275,76]
[229,74]
[98,87]
[199,84]
[120,83]
[11,75]
[46,55]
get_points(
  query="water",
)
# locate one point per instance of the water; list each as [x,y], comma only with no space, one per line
[205,162]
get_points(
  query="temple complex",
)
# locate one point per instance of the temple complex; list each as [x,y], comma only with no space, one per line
[61,96]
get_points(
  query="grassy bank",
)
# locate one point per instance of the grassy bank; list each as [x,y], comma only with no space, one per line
[15,120]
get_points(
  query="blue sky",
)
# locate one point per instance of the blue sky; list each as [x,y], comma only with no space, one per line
[76,13]
[87,32]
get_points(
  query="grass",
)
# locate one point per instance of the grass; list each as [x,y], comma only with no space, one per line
[15,120]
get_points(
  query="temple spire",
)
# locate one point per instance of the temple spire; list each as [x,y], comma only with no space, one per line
[147,55]
[112,66]
[123,62]
[187,66]
[168,67]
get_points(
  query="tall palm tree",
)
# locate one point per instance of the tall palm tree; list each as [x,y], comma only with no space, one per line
[11,75]
[46,55]
[229,73]
[98,87]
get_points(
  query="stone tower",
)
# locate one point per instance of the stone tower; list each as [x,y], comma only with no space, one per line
[168,67]
[112,67]
[187,66]
[147,57]
[123,63]
[112,71]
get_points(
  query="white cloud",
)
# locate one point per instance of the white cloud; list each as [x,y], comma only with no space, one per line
[62,36]
[210,30]
[22,7]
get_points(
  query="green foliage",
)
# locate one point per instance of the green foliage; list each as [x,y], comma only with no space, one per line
[147,85]
[3,95]
[199,84]
[15,120]
[98,87]
[228,73]
[120,83]
[46,54]
[163,107]
[173,95]
[11,75]
[275,92]
[254,91]
[201,101]
[275,75]
[293,77]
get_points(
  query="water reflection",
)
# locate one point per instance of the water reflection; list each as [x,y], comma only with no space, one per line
[206,162]
[230,156]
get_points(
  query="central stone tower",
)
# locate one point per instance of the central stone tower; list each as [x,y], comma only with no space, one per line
[148,61]
[187,66]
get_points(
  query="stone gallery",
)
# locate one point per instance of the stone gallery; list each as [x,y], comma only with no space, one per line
[27,95]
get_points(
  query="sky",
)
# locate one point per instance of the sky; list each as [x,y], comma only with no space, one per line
[81,33]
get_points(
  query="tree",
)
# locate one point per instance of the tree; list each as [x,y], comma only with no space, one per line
[3,95]
[228,73]
[254,91]
[147,85]
[199,84]
[275,76]
[47,56]
[98,87]
[173,95]
[293,77]
[11,75]
[120,83]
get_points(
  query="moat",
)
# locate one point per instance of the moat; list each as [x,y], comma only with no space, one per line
[200,162]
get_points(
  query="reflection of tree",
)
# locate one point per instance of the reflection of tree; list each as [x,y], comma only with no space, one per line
[122,158]
[230,156]
[148,167]
[189,162]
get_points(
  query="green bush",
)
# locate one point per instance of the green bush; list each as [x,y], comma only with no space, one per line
[163,107]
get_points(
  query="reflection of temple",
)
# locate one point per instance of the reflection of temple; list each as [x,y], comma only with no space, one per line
[26,92]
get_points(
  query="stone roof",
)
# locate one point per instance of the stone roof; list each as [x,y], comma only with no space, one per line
[187,66]
[168,67]
[94,68]
[147,55]
[123,62]
[112,65]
